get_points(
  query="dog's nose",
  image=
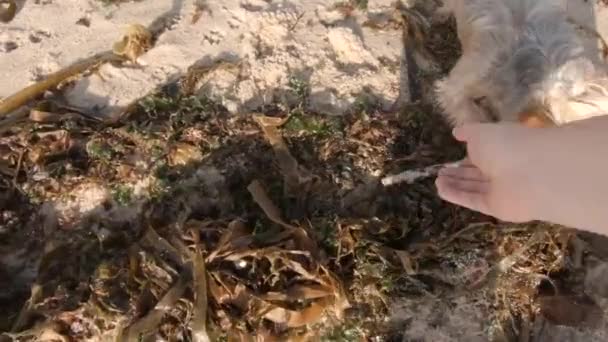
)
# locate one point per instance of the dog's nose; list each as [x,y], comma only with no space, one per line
[535,120]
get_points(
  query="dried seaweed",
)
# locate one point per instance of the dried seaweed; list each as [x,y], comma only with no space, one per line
[261,198]
[136,41]
[263,274]
[150,322]
[199,315]
[8,10]
[296,178]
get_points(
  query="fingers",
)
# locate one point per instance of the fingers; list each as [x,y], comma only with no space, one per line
[463,172]
[462,184]
[471,194]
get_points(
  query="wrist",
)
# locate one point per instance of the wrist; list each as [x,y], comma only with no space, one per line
[574,189]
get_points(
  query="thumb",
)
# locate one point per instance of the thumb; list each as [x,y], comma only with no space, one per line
[475,131]
[475,135]
[468,132]
[465,132]
[486,141]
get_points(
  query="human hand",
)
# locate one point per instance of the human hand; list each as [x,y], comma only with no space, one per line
[516,173]
[498,176]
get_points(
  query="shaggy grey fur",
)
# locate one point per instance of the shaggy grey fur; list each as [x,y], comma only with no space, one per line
[517,56]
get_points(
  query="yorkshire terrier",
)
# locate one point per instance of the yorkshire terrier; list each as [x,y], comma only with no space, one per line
[522,61]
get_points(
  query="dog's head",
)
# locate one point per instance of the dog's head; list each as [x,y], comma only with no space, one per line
[539,91]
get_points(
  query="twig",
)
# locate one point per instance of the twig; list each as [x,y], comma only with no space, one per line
[412,176]
[9,104]
[13,118]
[297,21]
[18,169]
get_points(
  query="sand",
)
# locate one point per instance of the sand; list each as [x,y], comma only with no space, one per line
[277,43]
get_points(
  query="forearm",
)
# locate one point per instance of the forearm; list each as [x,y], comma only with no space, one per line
[577,175]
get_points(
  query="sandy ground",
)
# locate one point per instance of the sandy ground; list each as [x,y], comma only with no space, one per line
[341,59]
[275,42]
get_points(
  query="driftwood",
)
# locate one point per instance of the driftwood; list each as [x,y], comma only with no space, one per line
[11,103]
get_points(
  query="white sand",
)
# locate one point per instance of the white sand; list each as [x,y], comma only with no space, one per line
[340,59]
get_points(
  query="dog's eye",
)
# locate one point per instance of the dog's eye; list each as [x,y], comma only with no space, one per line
[486,108]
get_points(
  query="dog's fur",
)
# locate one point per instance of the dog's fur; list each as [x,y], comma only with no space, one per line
[518,56]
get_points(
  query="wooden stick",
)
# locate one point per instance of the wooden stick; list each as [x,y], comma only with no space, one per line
[412,176]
